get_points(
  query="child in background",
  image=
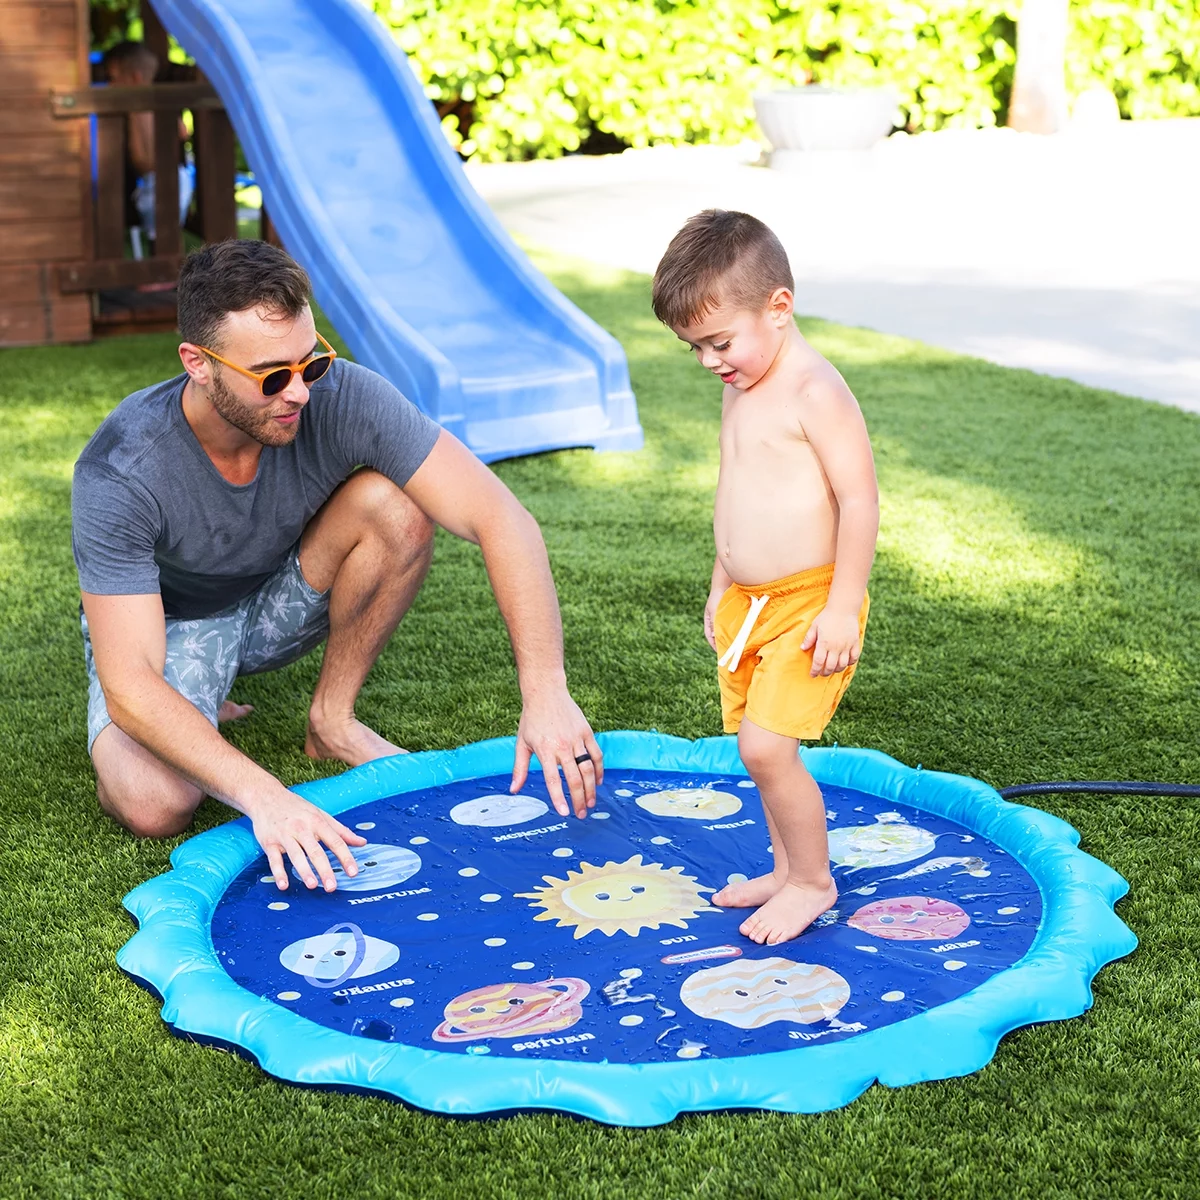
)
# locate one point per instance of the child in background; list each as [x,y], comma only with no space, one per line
[134,64]
[796,517]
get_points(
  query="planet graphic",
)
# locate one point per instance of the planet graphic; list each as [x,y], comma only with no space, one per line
[509,1010]
[911,919]
[342,952]
[753,992]
[694,804]
[492,811]
[379,866]
[889,841]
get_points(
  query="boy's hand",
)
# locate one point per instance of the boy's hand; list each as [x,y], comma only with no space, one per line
[834,634]
[710,616]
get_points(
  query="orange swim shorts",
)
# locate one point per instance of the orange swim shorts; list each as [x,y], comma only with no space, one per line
[770,680]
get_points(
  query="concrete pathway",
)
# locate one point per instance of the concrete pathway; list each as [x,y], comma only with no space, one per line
[1077,255]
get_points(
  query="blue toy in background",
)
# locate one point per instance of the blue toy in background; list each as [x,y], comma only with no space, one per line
[405,258]
[492,956]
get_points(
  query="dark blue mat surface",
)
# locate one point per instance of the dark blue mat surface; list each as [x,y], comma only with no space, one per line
[485,923]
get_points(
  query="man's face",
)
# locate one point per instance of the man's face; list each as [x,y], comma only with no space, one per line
[736,345]
[259,341]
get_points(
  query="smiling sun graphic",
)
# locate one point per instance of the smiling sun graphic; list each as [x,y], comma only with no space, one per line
[627,897]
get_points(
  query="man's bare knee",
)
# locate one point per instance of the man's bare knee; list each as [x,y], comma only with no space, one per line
[388,512]
[148,816]
[138,790]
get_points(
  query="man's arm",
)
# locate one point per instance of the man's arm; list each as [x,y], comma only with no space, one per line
[130,646]
[837,433]
[458,492]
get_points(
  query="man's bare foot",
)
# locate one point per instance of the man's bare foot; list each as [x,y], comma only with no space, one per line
[349,741]
[752,893]
[233,712]
[788,913]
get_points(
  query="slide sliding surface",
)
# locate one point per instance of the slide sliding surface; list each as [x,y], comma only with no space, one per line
[405,258]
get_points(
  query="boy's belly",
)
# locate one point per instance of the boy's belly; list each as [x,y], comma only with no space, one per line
[763,534]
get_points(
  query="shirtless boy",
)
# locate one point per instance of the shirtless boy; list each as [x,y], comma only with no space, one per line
[797,513]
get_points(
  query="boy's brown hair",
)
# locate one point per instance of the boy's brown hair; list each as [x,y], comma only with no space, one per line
[132,59]
[719,257]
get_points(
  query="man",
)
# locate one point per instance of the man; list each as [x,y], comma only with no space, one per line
[274,496]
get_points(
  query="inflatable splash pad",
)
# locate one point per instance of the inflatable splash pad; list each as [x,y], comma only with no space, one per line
[491,956]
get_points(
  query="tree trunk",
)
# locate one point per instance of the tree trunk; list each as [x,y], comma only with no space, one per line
[1039,95]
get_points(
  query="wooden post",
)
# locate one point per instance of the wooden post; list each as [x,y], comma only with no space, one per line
[215,174]
[266,228]
[168,239]
[154,34]
[110,187]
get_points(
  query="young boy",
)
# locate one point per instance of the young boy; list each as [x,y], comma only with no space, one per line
[797,512]
[134,64]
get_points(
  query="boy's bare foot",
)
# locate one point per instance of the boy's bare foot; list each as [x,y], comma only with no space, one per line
[788,913]
[752,893]
[233,712]
[349,741]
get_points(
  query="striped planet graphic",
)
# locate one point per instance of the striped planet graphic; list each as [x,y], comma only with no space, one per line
[753,992]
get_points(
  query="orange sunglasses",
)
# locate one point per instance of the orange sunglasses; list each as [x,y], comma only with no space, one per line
[272,382]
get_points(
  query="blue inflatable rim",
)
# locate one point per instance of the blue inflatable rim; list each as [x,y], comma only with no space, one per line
[172,954]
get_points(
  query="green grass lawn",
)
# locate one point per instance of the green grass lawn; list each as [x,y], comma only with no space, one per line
[1035,611]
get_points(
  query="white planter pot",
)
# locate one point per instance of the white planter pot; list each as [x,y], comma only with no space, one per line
[824,118]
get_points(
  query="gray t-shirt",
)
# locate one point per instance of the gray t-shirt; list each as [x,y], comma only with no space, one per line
[151,513]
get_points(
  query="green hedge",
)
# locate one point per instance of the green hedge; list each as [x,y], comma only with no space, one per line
[1147,52]
[537,78]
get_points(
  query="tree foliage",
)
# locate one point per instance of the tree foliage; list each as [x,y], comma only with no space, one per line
[537,78]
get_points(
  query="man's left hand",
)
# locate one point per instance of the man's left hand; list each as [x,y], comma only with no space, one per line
[553,727]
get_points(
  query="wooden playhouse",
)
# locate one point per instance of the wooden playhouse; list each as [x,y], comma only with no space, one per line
[66,268]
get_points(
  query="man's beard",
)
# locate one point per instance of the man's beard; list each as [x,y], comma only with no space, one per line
[260,424]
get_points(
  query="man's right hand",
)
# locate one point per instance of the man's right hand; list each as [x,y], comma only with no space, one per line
[288,824]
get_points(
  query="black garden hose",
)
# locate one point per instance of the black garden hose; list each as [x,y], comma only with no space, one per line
[1102,788]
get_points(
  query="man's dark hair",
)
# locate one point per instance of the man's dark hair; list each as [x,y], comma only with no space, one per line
[233,276]
[719,257]
[136,56]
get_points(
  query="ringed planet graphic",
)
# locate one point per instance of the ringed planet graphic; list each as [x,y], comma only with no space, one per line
[510,1010]
[693,804]
[501,809]
[624,897]
[340,953]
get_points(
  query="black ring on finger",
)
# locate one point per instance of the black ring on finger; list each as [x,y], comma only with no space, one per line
[584,757]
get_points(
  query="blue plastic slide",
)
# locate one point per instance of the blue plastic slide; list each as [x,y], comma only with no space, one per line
[405,257]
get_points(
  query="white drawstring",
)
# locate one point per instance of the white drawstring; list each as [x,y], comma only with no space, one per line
[733,655]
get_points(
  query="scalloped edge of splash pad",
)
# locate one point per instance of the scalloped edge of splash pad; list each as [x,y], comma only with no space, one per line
[173,955]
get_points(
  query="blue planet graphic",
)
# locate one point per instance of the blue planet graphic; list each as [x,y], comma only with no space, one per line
[379,866]
[340,953]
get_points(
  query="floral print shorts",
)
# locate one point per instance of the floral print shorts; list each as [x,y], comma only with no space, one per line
[280,622]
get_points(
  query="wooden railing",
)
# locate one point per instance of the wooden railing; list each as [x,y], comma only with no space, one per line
[213,144]
[214,154]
